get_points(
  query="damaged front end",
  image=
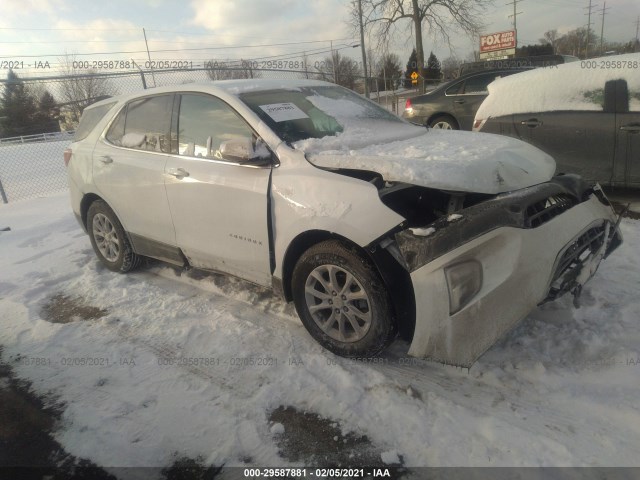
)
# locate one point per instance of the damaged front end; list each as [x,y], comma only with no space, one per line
[479,264]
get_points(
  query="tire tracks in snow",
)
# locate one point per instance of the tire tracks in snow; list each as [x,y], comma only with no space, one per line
[516,403]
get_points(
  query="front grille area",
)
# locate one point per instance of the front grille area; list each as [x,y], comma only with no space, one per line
[545,210]
[569,266]
[588,242]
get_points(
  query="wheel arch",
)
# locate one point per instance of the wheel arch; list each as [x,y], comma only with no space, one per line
[396,279]
[85,203]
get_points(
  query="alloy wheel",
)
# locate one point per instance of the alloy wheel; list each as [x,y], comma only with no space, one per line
[338,303]
[106,237]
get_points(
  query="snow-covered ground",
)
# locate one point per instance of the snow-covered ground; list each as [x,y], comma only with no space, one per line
[561,389]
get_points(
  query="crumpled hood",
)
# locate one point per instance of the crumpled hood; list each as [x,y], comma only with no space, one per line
[448,160]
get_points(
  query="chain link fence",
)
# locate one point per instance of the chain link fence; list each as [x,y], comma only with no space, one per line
[33,165]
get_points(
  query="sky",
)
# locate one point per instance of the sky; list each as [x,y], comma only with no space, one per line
[34,32]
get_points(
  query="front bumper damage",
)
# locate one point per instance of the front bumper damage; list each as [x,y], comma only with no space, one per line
[532,246]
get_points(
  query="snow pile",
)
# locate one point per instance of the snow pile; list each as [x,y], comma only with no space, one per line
[390,457]
[178,367]
[423,232]
[571,86]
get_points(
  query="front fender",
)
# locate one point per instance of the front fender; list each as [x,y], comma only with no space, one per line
[305,198]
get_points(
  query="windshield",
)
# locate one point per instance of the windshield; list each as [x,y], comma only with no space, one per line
[314,112]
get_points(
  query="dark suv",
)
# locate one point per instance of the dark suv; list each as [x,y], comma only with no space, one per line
[453,105]
[585,114]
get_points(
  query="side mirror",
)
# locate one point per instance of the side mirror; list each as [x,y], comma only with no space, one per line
[241,150]
[616,96]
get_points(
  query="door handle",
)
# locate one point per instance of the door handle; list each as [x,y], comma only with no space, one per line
[459,102]
[105,159]
[631,128]
[531,123]
[178,172]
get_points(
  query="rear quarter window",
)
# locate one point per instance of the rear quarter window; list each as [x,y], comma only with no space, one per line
[90,118]
[144,124]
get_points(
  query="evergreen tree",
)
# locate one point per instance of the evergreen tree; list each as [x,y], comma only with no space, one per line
[533,50]
[432,69]
[47,115]
[18,108]
[412,66]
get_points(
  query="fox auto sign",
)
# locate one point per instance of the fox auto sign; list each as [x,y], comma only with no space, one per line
[498,41]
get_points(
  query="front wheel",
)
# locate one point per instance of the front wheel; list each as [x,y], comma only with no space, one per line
[342,301]
[108,239]
[444,122]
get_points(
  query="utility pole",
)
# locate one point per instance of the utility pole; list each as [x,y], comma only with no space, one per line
[604,12]
[149,56]
[515,17]
[364,54]
[590,7]
[637,31]
[333,64]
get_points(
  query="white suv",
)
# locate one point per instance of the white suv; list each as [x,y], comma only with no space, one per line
[371,225]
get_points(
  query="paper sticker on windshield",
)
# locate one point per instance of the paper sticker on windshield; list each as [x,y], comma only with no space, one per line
[281,112]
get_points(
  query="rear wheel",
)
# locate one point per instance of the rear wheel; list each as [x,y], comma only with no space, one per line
[444,122]
[342,301]
[109,239]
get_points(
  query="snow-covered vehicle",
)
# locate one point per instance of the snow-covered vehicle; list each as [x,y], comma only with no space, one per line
[371,225]
[585,114]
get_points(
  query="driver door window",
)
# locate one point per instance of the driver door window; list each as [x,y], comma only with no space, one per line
[204,123]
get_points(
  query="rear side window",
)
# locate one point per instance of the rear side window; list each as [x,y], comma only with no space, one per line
[89,120]
[144,124]
[479,84]
[455,89]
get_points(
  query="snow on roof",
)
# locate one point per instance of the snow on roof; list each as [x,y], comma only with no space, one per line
[230,87]
[237,87]
[571,86]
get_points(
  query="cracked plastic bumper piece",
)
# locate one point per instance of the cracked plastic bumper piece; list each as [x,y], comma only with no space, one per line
[521,266]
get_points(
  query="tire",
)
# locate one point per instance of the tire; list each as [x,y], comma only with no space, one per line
[109,240]
[346,282]
[444,122]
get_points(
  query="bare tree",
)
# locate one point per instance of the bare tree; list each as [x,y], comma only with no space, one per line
[575,42]
[373,64]
[451,68]
[234,70]
[439,17]
[551,37]
[80,88]
[473,56]
[340,69]
[389,71]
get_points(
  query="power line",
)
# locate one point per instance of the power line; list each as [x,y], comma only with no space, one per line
[158,30]
[167,50]
[74,29]
[75,41]
[228,61]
